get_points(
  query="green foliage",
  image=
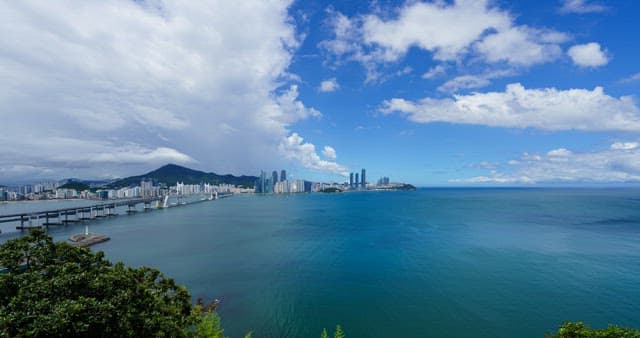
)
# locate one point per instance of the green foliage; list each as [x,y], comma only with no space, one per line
[210,326]
[338,333]
[330,190]
[67,291]
[580,330]
[77,186]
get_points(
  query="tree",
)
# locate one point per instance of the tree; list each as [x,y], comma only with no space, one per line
[338,333]
[580,330]
[54,289]
[324,334]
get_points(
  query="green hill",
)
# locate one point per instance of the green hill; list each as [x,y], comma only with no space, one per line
[75,185]
[172,173]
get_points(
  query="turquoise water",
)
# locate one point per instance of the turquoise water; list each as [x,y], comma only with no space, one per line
[429,263]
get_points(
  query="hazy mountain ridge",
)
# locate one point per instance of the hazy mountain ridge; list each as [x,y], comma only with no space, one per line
[170,174]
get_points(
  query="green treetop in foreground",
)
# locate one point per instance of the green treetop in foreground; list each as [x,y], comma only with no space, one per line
[580,330]
[56,290]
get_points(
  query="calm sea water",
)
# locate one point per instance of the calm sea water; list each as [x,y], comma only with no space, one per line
[429,263]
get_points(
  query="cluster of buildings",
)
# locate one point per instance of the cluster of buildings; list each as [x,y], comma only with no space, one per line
[358,182]
[383,181]
[43,190]
[146,189]
[270,184]
[265,184]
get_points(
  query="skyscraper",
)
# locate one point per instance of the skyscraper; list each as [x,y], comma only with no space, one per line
[283,175]
[274,177]
[351,180]
[363,180]
[261,187]
[357,180]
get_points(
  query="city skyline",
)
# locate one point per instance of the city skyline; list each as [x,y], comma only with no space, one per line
[455,93]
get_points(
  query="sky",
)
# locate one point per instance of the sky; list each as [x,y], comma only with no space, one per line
[434,93]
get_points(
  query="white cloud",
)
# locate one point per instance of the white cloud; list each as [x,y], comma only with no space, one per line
[329,85]
[124,82]
[518,107]
[472,81]
[421,25]
[464,82]
[581,7]
[434,72]
[448,31]
[329,152]
[625,145]
[631,78]
[613,165]
[293,147]
[560,152]
[588,55]
[521,45]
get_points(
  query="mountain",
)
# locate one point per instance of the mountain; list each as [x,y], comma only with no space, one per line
[172,173]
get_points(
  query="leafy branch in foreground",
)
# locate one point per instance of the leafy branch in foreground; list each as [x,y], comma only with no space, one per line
[337,334]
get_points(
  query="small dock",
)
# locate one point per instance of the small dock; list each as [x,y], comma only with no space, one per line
[87,239]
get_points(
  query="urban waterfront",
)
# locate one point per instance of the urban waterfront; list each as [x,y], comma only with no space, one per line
[432,262]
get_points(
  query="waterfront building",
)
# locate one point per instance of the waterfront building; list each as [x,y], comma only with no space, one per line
[260,183]
[383,181]
[146,188]
[274,177]
[351,180]
[356,182]
[363,179]
[283,175]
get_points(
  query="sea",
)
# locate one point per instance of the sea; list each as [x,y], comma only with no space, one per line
[436,262]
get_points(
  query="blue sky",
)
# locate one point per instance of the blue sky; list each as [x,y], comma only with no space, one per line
[428,92]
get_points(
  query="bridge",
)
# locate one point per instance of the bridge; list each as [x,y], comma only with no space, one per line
[96,211]
[75,214]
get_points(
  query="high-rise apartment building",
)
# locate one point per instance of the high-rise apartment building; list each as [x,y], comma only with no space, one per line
[283,175]
[363,179]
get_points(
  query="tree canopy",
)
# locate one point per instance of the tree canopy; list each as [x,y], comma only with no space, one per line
[54,289]
[580,330]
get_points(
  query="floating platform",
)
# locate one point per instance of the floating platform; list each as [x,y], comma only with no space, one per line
[85,240]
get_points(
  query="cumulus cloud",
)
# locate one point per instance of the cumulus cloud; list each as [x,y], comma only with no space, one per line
[519,107]
[588,55]
[614,165]
[522,46]
[581,7]
[128,84]
[294,148]
[329,85]
[447,31]
[329,152]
